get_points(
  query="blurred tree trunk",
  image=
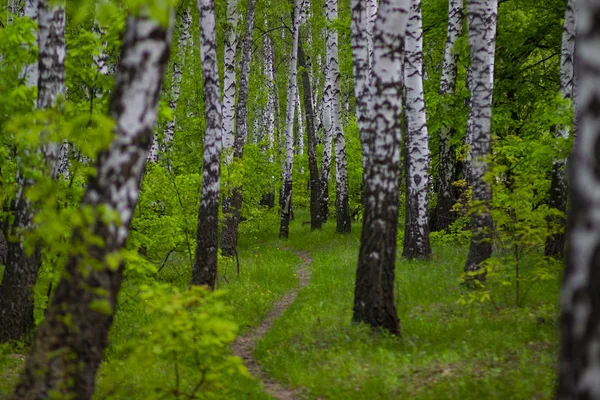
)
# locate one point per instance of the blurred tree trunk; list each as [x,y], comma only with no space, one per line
[68,346]
[374,290]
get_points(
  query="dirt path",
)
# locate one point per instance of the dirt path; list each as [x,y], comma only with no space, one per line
[243,346]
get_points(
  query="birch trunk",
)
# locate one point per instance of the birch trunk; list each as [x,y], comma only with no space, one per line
[442,216]
[579,360]
[232,205]
[334,82]
[68,347]
[555,244]
[328,131]
[229,82]
[269,198]
[20,275]
[300,144]
[416,228]
[374,290]
[205,268]
[183,40]
[313,168]
[30,72]
[481,19]
[286,191]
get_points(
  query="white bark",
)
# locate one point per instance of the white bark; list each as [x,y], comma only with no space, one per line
[286,201]
[416,240]
[579,360]
[300,119]
[30,72]
[270,83]
[229,82]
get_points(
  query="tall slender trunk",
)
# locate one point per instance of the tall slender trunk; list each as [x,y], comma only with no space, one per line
[328,129]
[233,205]
[579,362]
[313,168]
[374,290]
[183,39]
[286,192]
[68,346]
[442,216]
[229,82]
[555,244]
[416,228]
[481,17]
[300,142]
[205,268]
[30,71]
[371,16]
[333,77]
[20,275]
[271,113]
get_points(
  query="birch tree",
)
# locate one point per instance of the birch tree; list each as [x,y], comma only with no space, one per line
[334,84]
[579,360]
[69,343]
[481,21]
[229,81]
[205,267]
[20,275]
[374,290]
[232,204]
[416,228]
[286,192]
[442,216]
[328,133]
[30,71]
[555,244]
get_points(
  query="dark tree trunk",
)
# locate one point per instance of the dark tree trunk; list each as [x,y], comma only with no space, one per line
[205,269]
[578,366]
[232,207]
[315,190]
[374,290]
[68,346]
[555,244]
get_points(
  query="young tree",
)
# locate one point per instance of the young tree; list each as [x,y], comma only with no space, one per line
[286,192]
[555,244]
[20,275]
[232,205]
[416,228]
[313,168]
[327,141]
[481,19]
[69,343]
[579,362]
[442,215]
[205,267]
[374,290]
[334,83]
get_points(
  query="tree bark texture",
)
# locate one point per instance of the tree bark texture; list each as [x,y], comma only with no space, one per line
[555,244]
[416,228]
[328,133]
[579,356]
[286,191]
[447,195]
[68,346]
[374,290]
[30,71]
[205,267]
[232,206]
[481,20]
[313,168]
[342,213]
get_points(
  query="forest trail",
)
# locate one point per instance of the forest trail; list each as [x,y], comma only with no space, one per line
[244,345]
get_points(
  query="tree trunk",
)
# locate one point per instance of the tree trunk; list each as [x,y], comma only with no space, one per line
[328,129]
[313,168]
[481,17]
[205,267]
[20,275]
[416,228]
[555,244]
[578,368]
[183,40]
[68,346]
[30,71]
[442,216]
[374,290]
[269,198]
[232,205]
[334,82]
[286,191]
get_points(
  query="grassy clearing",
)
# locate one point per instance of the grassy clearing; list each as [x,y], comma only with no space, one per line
[447,350]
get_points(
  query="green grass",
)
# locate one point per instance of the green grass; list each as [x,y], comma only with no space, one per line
[447,350]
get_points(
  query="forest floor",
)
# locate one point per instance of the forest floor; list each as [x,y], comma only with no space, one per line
[455,344]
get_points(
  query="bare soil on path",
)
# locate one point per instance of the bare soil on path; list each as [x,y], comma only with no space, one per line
[244,345]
